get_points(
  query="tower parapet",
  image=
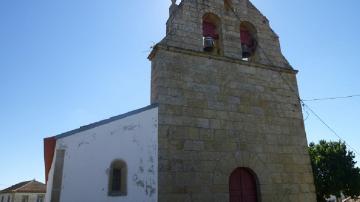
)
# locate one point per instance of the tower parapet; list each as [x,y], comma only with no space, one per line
[185,30]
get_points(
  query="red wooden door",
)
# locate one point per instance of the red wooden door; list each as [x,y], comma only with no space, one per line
[243,186]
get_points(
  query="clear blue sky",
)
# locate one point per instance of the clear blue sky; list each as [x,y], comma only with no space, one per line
[64,64]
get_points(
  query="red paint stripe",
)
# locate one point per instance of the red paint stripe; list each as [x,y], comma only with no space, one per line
[49,150]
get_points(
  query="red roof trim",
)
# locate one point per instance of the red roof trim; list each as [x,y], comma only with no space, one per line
[49,150]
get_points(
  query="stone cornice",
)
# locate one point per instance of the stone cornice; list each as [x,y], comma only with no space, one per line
[220,58]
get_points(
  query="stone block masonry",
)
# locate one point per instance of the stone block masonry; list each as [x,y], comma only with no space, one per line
[184,29]
[216,115]
[218,112]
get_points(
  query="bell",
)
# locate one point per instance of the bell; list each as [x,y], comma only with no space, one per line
[209,44]
[246,52]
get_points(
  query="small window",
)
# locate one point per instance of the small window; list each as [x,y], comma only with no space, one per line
[248,40]
[118,178]
[8,199]
[2,199]
[40,198]
[25,198]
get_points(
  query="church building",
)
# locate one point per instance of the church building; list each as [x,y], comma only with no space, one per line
[224,124]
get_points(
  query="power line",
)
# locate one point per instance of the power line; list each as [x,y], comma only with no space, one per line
[304,105]
[328,126]
[317,116]
[332,98]
[307,115]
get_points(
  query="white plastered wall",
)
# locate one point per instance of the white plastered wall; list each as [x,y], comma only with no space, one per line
[89,154]
[5,196]
[32,196]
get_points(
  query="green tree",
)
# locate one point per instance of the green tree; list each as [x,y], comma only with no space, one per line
[334,170]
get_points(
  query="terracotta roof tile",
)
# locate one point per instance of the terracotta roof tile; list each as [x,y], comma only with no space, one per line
[26,187]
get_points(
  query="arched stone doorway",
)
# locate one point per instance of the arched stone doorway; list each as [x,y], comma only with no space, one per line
[243,186]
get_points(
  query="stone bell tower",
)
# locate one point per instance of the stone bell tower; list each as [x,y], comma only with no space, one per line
[230,120]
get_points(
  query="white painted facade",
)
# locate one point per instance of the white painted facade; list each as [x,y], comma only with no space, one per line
[6,197]
[89,154]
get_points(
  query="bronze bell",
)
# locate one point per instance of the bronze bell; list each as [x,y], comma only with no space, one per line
[209,44]
[246,51]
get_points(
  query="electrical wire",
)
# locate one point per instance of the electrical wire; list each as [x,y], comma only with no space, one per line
[332,98]
[307,114]
[330,128]
[318,99]
[317,116]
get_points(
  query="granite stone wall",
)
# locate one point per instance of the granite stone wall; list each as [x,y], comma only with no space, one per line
[184,29]
[217,115]
[218,112]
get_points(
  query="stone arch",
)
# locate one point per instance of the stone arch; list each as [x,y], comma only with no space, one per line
[249,39]
[227,162]
[118,178]
[212,33]
[244,185]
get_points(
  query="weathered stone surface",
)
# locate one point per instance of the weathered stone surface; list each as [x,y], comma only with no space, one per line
[218,112]
[184,29]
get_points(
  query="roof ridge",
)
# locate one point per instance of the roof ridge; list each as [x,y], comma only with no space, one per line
[26,183]
[24,186]
[105,121]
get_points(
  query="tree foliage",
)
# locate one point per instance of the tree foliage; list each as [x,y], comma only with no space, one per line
[334,170]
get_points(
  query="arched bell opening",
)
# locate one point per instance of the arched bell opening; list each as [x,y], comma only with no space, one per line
[243,186]
[211,33]
[249,42]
